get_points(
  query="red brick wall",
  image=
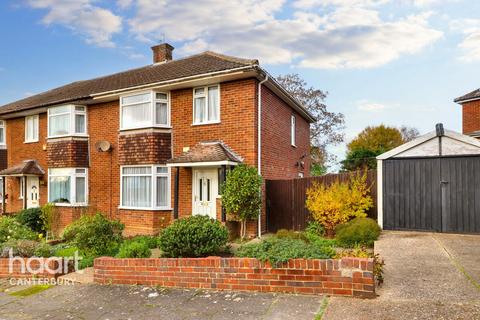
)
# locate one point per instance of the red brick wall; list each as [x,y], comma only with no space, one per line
[346,277]
[144,148]
[19,151]
[471,116]
[67,153]
[35,265]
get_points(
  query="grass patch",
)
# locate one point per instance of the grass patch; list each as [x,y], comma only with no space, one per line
[30,290]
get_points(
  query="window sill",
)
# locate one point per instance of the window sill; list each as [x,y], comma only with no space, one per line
[69,135]
[32,141]
[145,127]
[70,205]
[206,123]
[145,209]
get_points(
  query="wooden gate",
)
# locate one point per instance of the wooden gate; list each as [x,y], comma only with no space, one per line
[286,199]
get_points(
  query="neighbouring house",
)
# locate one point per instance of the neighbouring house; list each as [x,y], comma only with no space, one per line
[470,103]
[152,144]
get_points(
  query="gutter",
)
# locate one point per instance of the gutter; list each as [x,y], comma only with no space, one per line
[259,143]
[466,100]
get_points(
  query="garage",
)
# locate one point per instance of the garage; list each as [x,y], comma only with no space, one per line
[431,183]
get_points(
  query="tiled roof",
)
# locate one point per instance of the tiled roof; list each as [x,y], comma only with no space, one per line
[209,151]
[199,64]
[27,167]
[471,95]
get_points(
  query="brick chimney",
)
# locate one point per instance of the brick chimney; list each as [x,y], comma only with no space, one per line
[162,52]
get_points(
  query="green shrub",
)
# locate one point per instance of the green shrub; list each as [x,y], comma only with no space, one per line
[195,236]
[278,251]
[94,235]
[32,219]
[290,234]
[359,231]
[10,228]
[66,252]
[86,262]
[25,248]
[134,249]
[315,228]
[149,241]
[44,250]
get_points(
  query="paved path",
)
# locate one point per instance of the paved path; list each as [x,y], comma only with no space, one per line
[83,301]
[427,276]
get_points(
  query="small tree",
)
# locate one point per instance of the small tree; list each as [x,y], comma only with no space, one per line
[339,202]
[241,195]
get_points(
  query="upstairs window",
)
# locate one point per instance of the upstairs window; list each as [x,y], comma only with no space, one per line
[67,121]
[31,128]
[206,105]
[292,130]
[2,132]
[143,110]
[67,186]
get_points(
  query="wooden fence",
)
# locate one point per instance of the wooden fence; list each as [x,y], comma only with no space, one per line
[286,199]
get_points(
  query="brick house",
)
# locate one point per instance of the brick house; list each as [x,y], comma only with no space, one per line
[152,144]
[470,103]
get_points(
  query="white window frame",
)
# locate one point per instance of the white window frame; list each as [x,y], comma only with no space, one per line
[153,197]
[72,112]
[73,174]
[205,95]
[293,127]
[36,129]
[153,100]
[22,187]
[3,127]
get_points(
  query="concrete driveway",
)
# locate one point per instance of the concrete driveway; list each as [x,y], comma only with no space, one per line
[427,276]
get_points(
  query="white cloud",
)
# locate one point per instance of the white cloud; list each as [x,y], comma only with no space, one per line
[470,45]
[304,4]
[123,4]
[340,37]
[365,105]
[96,24]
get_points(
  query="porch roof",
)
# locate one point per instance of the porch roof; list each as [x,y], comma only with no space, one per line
[25,168]
[206,153]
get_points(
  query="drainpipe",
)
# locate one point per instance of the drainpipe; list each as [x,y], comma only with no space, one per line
[259,145]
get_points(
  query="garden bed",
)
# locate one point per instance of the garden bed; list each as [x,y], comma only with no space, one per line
[343,277]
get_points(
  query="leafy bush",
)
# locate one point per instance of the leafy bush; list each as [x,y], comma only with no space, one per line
[134,249]
[357,252]
[10,228]
[359,231]
[290,234]
[149,241]
[66,252]
[195,236]
[94,235]
[241,196]
[315,228]
[278,251]
[338,203]
[25,248]
[50,218]
[32,219]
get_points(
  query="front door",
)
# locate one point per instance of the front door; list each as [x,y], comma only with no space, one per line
[205,192]
[33,192]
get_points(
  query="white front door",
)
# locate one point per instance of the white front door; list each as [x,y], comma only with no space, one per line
[205,192]
[33,188]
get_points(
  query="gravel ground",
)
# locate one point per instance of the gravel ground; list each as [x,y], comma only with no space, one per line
[427,276]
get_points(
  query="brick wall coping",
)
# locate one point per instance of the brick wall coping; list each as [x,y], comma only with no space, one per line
[345,277]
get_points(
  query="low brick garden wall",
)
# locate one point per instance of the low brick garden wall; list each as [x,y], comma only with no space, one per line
[42,267]
[345,277]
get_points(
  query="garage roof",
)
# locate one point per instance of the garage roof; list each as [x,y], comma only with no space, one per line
[430,145]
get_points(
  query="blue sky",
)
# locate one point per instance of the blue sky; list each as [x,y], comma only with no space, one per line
[398,62]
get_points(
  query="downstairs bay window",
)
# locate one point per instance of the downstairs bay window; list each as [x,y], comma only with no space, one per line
[68,186]
[143,110]
[145,187]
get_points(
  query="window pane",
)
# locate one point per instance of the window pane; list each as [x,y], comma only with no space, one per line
[162,170]
[137,170]
[59,125]
[145,97]
[161,96]
[199,91]
[80,170]
[136,192]
[199,110]
[1,189]
[79,108]
[161,113]
[57,110]
[29,130]
[162,191]
[213,104]
[80,186]
[136,115]
[2,135]
[59,189]
[79,123]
